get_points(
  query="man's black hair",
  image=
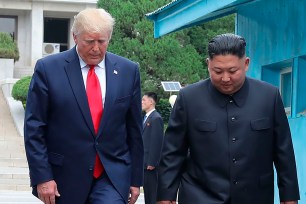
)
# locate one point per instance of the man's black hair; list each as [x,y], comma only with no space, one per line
[152,95]
[225,44]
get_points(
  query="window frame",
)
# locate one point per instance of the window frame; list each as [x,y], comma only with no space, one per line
[14,32]
[284,71]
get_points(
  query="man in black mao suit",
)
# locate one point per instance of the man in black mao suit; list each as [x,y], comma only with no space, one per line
[153,135]
[224,135]
[67,135]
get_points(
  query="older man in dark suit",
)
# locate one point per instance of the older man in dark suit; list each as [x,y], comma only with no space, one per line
[224,135]
[83,121]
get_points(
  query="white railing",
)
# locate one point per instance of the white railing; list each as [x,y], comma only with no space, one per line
[7,86]
[16,108]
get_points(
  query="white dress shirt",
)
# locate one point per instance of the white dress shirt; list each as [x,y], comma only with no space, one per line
[147,114]
[100,72]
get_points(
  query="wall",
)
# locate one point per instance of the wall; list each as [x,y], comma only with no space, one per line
[6,68]
[275,32]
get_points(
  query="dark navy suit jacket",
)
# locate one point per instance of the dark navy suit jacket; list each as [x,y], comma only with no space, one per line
[219,147]
[153,136]
[59,135]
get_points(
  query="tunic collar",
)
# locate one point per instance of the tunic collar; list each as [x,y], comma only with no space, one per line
[239,97]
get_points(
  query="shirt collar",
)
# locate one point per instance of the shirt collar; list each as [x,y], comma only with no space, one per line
[239,97]
[148,113]
[84,65]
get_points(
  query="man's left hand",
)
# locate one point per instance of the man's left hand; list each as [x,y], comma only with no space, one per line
[134,193]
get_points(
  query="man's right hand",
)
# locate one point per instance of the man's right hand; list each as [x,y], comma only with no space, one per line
[166,202]
[47,192]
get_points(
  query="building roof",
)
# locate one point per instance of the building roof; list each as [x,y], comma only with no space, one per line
[172,3]
[180,14]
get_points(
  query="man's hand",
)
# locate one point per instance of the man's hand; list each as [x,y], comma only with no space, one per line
[150,167]
[289,202]
[134,193]
[166,202]
[47,192]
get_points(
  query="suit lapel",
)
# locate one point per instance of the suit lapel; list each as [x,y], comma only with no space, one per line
[147,123]
[75,78]
[144,124]
[112,80]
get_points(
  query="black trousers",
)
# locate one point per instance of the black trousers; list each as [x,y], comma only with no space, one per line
[150,186]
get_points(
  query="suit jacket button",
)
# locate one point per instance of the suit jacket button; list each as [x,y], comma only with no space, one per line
[234,139]
[90,168]
[235,182]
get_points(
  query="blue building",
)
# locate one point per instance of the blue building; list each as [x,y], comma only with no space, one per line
[275,31]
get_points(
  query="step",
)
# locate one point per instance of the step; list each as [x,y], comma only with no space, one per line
[14,187]
[14,178]
[13,154]
[13,162]
[12,145]
[15,181]
[14,170]
[20,197]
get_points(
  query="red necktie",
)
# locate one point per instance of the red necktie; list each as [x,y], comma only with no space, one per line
[94,97]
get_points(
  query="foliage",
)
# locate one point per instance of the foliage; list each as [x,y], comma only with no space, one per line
[179,56]
[21,88]
[8,48]
[201,34]
[170,58]
[164,108]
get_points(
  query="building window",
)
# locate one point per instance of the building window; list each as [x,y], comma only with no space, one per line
[56,30]
[301,86]
[8,25]
[280,75]
[286,88]
[289,77]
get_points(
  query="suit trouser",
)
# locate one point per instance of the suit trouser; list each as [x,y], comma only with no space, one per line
[150,186]
[103,192]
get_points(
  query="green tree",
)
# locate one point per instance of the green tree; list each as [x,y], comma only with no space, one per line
[179,56]
[201,34]
[20,89]
[171,57]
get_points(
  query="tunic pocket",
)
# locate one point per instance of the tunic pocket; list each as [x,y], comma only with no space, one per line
[261,124]
[205,126]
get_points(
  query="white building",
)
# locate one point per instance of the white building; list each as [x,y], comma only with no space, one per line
[39,27]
